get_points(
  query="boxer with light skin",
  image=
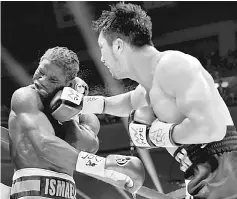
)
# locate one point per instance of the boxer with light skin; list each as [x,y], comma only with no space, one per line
[178,108]
[50,138]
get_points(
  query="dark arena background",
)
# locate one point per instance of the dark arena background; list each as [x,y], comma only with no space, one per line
[206,30]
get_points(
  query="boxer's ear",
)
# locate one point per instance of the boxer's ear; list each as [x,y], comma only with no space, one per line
[118,45]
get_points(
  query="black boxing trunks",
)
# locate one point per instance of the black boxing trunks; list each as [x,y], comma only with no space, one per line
[213,173]
[40,183]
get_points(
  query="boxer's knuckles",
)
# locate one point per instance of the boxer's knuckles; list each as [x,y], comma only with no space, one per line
[144,115]
[79,85]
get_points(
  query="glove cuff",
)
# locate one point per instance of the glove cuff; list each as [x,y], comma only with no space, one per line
[89,163]
[93,104]
[160,134]
[138,135]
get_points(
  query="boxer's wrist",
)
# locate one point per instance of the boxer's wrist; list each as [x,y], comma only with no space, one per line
[89,163]
[172,138]
[161,134]
[138,134]
[93,104]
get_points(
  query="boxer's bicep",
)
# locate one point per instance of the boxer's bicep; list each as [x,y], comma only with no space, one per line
[194,99]
[183,78]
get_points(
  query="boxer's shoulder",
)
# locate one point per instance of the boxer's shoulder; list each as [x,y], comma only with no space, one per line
[173,61]
[175,66]
[25,99]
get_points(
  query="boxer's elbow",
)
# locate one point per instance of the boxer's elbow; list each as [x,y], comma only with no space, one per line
[212,130]
[217,131]
[95,146]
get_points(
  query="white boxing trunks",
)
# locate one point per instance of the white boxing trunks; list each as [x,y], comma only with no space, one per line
[34,183]
[4,191]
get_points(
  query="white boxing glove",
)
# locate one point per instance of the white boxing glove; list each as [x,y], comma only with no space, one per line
[66,104]
[122,171]
[93,104]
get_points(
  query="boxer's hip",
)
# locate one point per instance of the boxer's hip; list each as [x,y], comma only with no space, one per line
[40,183]
[213,174]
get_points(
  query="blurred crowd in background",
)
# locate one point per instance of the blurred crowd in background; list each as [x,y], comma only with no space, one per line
[217,66]
[29,36]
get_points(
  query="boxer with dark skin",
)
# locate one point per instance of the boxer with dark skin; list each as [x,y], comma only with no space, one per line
[45,151]
[177,105]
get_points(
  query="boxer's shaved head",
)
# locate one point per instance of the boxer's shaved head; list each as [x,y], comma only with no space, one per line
[125,21]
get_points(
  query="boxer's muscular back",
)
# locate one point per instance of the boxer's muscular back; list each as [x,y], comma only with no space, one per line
[23,153]
[163,100]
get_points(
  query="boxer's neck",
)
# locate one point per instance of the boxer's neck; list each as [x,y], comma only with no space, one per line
[143,64]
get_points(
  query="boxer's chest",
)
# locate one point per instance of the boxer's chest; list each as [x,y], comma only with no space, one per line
[164,106]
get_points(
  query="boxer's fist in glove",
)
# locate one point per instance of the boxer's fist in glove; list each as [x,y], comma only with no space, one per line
[83,135]
[66,104]
[131,166]
[146,131]
[144,115]
[139,123]
[122,171]
[79,85]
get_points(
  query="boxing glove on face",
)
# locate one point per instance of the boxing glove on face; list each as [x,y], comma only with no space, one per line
[66,104]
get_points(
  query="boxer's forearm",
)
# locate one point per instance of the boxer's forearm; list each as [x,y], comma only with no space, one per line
[118,105]
[80,137]
[190,132]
